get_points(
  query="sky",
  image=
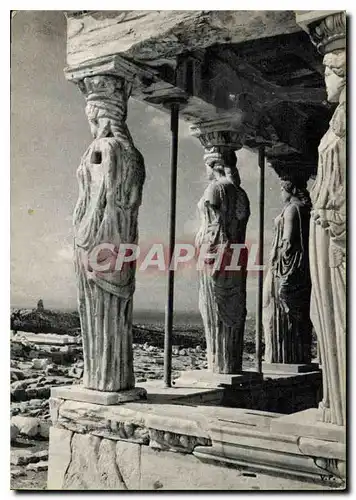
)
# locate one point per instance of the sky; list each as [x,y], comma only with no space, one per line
[50,132]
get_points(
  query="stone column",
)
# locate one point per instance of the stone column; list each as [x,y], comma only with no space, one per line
[111,175]
[224,212]
[327,246]
[287,287]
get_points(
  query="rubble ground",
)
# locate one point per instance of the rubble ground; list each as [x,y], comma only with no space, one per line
[39,363]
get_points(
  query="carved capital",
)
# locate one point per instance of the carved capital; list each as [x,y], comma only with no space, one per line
[327,29]
[219,136]
[293,172]
[220,139]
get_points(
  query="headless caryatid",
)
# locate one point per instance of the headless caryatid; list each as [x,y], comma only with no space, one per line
[286,292]
[328,241]
[224,213]
[111,177]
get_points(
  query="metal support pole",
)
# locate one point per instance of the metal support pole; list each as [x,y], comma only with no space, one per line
[172,230]
[261,201]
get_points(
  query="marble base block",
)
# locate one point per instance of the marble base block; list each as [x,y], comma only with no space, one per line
[308,423]
[143,446]
[80,393]
[206,378]
[290,368]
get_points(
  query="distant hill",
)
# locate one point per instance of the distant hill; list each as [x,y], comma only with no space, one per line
[149,327]
[44,321]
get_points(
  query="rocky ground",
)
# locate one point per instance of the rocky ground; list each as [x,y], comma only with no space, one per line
[41,361]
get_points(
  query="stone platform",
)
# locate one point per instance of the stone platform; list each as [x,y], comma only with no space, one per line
[290,368]
[170,444]
[277,391]
[308,423]
[207,379]
[80,393]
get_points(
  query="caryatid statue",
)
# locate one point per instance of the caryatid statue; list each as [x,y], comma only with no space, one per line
[287,287]
[111,177]
[327,248]
[224,212]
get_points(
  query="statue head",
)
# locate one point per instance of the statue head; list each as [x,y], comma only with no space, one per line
[287,190]
[106,107]
[221,163]
[214,163]
[296,190]
[231,171]
[335,74]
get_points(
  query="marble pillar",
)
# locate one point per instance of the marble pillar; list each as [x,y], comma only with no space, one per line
[224,211]
[327,245]
[287,287]
[111,175]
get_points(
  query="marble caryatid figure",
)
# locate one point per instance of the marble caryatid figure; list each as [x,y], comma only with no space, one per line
[224,212]
[111,177]
[286,292]
[328,226]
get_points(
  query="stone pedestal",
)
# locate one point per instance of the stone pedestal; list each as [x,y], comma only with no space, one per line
[80,393]
[290,368]
[206,378]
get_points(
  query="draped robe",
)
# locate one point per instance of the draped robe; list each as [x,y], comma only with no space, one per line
[286,304]
[328,265]
[224,212]
[106,213]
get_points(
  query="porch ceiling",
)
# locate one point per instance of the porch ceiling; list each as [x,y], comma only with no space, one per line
[255,69]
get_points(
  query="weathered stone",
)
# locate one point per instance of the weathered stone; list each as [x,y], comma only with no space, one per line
[20,456]
[44,429]
[38,466]
[75,372]
[224,212]
[41,455]
[16,374]
[107,334]
[54,404]
[14,431]
[59,457]
[84,462]
[174,471]
[36,402]
[25,456]
[17,473]
[288,471]
[29,426]
[128,458]
[287,287]
[23,384]
[47,338]
[80,393]
[207,378]
[290,367]
[171,441]
[245,439]
[319,448]
[151,35]
[307,424]
[40,364]
[328,226]
[93,465]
